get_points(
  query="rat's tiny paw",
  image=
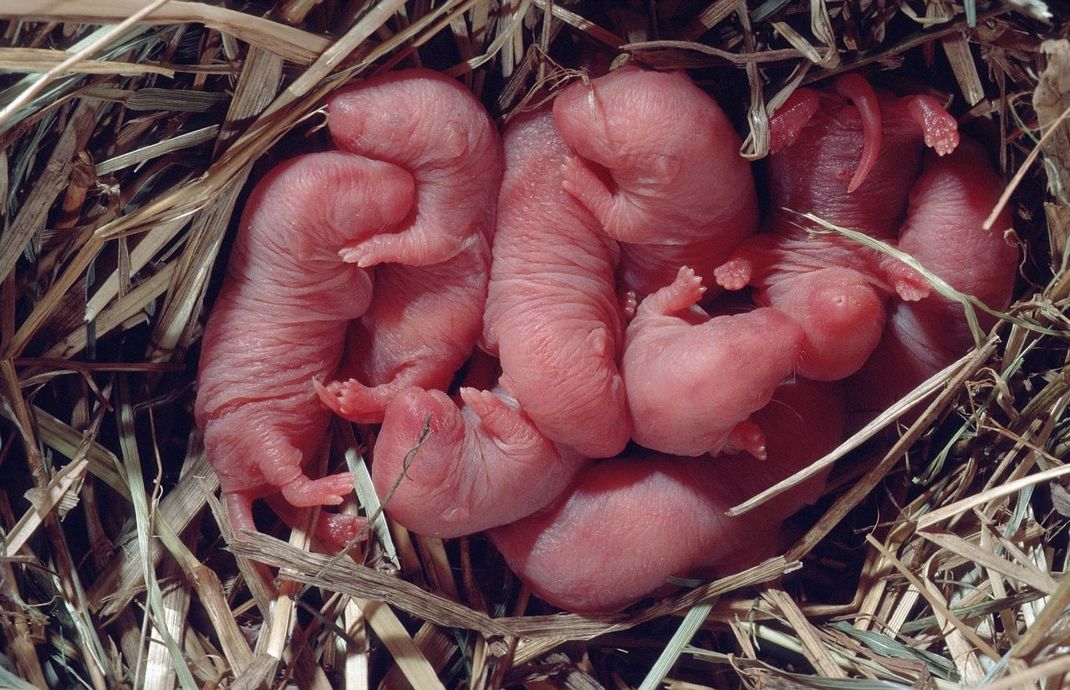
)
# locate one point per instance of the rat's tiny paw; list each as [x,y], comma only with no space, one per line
[352,400]
[684,292]
[747,437]
[510,430]
[338,530]
[910,285]
[939,128]
[629,303]
[734,274]
[370,252]
[304,492]
[581,182]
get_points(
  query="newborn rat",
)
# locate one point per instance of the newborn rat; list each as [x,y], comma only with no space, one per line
[280,321]
[552,314]
[426,315]
[629,523]
[659,167]
[849,157]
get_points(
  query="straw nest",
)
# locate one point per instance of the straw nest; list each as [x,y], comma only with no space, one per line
[129,130]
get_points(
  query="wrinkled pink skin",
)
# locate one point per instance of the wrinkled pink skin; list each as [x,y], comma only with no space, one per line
[849,158]
[948,206]
[483,465]
[427,313]
[433,127]
[280,321]
[687,392]
[552,314]
[628,524]
[422,325]
[660,169]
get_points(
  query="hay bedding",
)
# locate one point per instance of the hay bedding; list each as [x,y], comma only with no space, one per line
[935,560]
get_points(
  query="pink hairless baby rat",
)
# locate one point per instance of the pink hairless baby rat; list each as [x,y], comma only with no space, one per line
[659,166]
[687,391]
[480,466]
[280,321]
[552,313]
[427,312]
[628,524]
[948,205]
[850,158]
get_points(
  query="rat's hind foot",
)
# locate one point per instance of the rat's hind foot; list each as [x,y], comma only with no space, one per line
[939,127]
[620,219]
[327,491]
[748,437]
[910,285]
[684,292]
[352,400]
[335,531]
[509,428]
[411,247]
[736,273]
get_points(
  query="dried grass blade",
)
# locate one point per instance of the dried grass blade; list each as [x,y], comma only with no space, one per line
[44,500]
[935,601]
[496,45]
[366,493]
[938,515]
[99,43]
[1036,635]
[124,578]
[288,42]
[971,552]
[957,49]
[36,60]
[1034,673]
[48,186]
[143,520]
[408,656]
[603,36]
[133,303]
[160,148]
[812,647]
[350,578]
[714,14]
[62,438]
[1051,98]
[680,639]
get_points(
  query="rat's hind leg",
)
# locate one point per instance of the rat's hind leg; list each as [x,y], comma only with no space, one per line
[352,400]
[240,511]
[304,492]
[508,427]
[683,293]
[621,219]
[335,530]
[421,244]
[282,468]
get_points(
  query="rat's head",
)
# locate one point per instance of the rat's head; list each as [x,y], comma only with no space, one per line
[621,120]
[415,118]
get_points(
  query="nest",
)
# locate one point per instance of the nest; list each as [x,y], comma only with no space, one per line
[128,132]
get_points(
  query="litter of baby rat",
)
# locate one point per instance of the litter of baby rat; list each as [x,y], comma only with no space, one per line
[574,384]
[713,329]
